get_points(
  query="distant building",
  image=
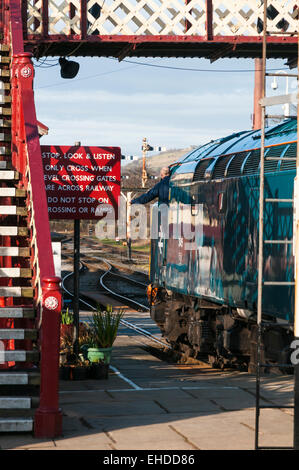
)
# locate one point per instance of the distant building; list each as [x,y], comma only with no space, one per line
[129,158]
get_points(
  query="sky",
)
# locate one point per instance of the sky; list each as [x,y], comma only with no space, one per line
[113,103]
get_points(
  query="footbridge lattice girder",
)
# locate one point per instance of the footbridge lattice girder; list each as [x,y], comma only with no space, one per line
[157,28]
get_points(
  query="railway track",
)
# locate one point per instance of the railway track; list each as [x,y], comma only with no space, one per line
[108,278]
[90,304]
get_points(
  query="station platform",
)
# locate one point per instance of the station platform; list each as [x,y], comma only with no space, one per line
[151,404]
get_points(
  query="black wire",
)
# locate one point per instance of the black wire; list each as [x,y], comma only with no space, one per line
[192,69]
[85,78]
[46,64]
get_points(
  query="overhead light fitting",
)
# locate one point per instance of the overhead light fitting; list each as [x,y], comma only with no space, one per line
[69,68]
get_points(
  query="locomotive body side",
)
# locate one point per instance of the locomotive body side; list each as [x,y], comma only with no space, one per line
[207,290]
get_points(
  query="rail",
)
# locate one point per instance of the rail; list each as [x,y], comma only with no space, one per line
[27,160]
[125,323]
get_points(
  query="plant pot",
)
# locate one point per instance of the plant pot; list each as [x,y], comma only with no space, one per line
[84,351]
[79,373]
[99,354]
[65,373]
[62,358]
[66,329]
[99,371]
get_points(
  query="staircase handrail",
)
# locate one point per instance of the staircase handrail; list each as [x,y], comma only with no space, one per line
[27,160]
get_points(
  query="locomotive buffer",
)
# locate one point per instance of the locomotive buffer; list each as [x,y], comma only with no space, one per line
[261,323]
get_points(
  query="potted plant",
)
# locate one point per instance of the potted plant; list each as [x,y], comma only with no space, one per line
[72,367]
[84,339]
[75,369]
[99,370]
[67,323]
[103,332]
[66,346]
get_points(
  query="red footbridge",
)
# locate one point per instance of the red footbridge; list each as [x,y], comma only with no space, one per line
[30,296]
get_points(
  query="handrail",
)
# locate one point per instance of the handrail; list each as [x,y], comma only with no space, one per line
[27,160]
[26,152]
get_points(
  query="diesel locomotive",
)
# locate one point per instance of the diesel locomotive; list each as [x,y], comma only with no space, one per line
[203,294]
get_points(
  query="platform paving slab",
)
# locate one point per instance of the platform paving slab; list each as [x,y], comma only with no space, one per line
[177,407]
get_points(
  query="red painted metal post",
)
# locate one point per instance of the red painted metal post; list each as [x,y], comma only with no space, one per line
[6,30]
[209,20]
[24,18]
[48,418]
[83,20]
[45,18]
[22,78]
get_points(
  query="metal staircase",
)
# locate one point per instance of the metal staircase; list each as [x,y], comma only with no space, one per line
[30,297]
[19,380]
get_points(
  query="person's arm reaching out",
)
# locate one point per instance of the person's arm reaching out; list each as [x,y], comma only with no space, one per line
[147,197]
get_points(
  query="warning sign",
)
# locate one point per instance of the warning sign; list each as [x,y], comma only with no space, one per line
[79,180]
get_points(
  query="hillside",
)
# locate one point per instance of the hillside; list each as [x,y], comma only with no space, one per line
[131,172]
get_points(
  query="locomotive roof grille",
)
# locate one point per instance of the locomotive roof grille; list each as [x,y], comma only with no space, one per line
[220,167]
[235,166]
[252,163]
[291,152]
[272,165]
[246,163]
[200,169]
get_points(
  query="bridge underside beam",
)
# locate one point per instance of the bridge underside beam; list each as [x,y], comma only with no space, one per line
[160,46]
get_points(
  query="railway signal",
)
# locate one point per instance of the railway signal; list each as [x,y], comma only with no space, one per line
[145,148]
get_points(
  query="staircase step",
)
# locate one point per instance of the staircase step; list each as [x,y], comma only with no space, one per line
[13,210]
[14,251]
[16,333]
[16,292]
[19,356]
[16,272]
[14,231]
[5,111]
[4,59]
[16,312]
[4,150]
[19,378]
[15,403]
[5,86]
[9,175]
[5,165]
[12,192]
[4,48]
[4,73]
[5,137]
[4,99]
[16,424]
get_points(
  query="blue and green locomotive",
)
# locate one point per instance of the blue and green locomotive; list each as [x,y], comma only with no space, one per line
[204,293]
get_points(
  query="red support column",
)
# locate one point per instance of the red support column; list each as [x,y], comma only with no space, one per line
[45,20]
[258,94]
[24,18]
[83,19]
[48,418]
